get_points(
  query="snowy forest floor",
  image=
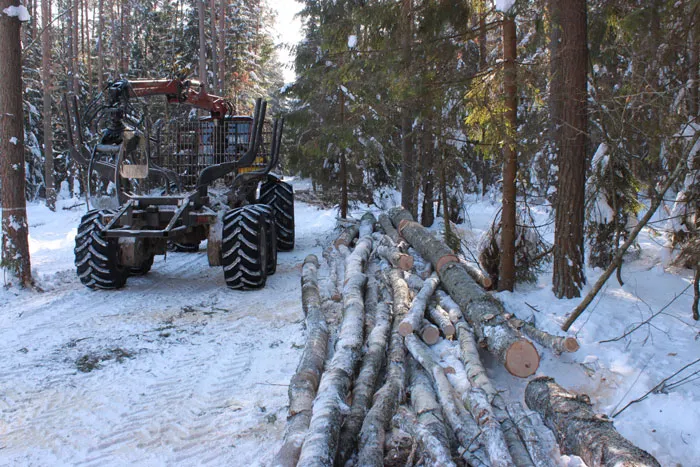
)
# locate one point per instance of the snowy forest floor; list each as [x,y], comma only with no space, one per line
[175,369]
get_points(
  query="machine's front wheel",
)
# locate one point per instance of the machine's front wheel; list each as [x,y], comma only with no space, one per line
[97,257]
[244,248]
[280,197]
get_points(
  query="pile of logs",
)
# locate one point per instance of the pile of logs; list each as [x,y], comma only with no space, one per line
[391,372]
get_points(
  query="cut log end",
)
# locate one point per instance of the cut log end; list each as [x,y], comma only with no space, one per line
[571,344]
[449,330]
[430,334]
[406,262]
[405,328]
[522,359]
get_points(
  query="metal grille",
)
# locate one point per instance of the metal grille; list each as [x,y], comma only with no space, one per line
[187,147]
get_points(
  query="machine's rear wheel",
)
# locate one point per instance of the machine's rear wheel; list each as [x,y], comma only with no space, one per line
[280,197]
[96,257]
[271,237]
[144,268]
[244,248]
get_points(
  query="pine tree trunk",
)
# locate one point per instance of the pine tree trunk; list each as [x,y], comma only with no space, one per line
[568,276]
[222,46]
[428,211]
[506,273]
[87,49]
[579,430]
[214,52]
[343,166]
[46,79]
[202,45]
[15,243]
[100,47]
[126,36]
[407,156]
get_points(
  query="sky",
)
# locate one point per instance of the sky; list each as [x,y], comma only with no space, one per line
[288,32]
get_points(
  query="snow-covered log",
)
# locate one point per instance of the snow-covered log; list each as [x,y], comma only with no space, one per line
[367,224]
[581,431]
[439,317]
[378,419]
[304,383]
[347,236]
[556,344]
[463,425]
[320,444]
[449,305]
[540,451]
[388,228]
[435,452]
[483,312]
[414,319]
[496,447]
[366,382]
[424,402]
[395,257]
[478,275]
[414,281]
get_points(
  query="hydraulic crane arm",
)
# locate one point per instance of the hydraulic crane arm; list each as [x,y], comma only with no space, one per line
[175,91]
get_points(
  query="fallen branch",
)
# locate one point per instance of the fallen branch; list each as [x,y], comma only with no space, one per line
[617,259]
[304,383]
[579,430]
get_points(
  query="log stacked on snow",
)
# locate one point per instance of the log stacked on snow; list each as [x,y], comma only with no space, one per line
[347,236]
[478,275]
[367,224]
[304,383]
[321,442]
[437,452]
[485,314]
[378,419]
[441,319]
[581,431]
[388,228]
[395,257]
[556,344]
[414,319]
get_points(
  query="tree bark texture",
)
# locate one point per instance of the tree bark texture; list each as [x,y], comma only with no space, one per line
[395,257]
[100,47]
[388,228]
[482,311]
[378,420]
[506,268]
[321,443]
[414,319]
[581,431]
[435,452]
[214,52]
[202,44]
[463,425]
[539,451]
[46,80]
[15,244]
[568,276]
[304,383]
[372,363]
[478,275]
[556,344]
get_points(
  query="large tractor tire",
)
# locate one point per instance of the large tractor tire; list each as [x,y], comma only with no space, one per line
[96,257]
[271,237]
[244,248]
[280,197]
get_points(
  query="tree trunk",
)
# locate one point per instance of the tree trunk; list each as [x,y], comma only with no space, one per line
[304,383]
[378,419]
[321,443]
[100,47]
[579,430]
[214,55]
[47,80]
[428,212]
[506,268]
[388,228]
[202,45]
[555,80]
[343,165]
[482,311]
[222,46]
[568,276]
[435,451]
[15,244]
[126,36]
[407,156]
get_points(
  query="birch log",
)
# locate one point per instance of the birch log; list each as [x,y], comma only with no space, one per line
[478,275]
[539,449]
[556,344]
[304,383]
[321,442]
[388,228]
[395,257]
[414,319]
[436,453]
[429,333]
[463,425]
[483,312]
[476,374]
[424,402]
[579,430]
[365,384]
[367,224]
[439,317]
[449,305]
[378,419]
[347,236]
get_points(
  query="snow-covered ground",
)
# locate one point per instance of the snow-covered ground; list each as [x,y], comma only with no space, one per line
[183,371]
